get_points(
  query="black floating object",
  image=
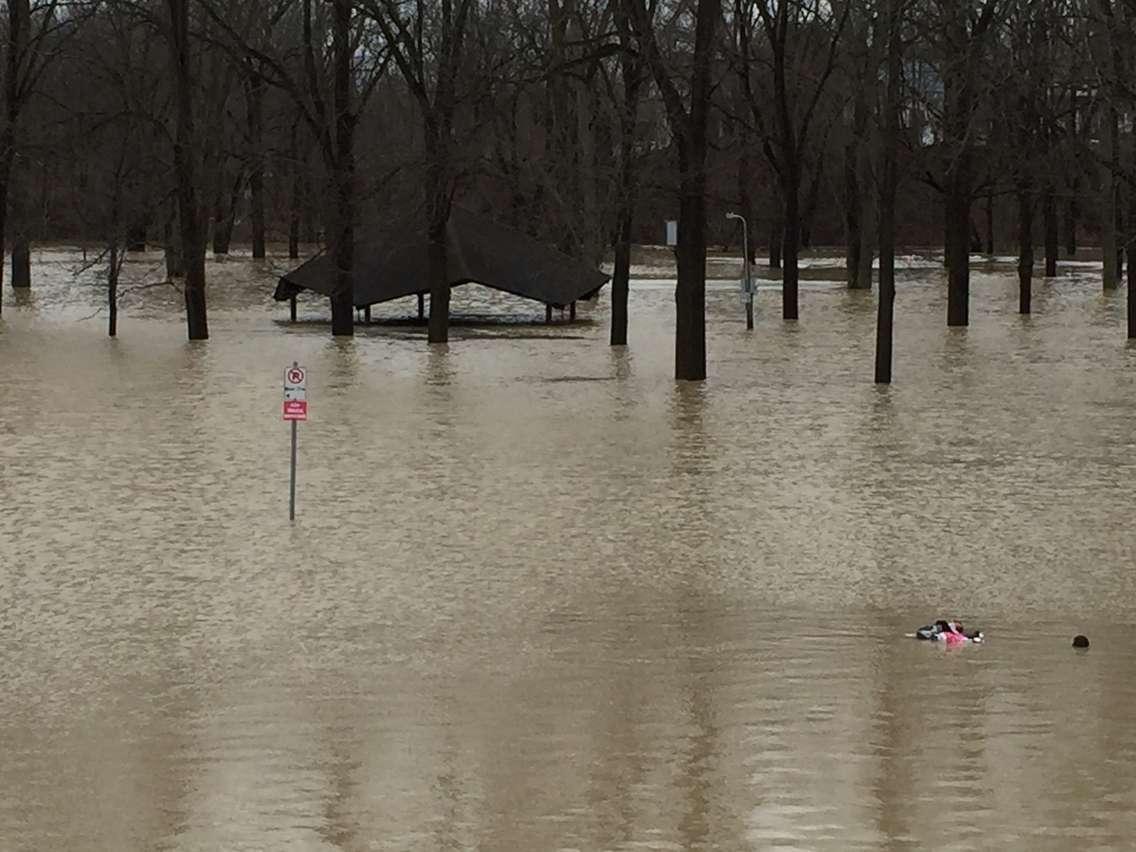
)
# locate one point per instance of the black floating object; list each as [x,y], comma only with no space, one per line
[1080,641]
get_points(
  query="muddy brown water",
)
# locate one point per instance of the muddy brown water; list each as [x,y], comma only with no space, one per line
[540,597]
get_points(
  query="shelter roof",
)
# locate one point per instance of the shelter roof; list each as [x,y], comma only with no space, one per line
[391,262]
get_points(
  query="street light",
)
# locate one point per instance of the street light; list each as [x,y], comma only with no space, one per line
[747,284]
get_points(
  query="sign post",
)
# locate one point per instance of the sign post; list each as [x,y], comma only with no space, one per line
[295,410]
[747,283]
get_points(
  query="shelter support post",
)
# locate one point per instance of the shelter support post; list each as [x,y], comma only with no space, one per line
[572,312]
[548,314]
[292,308]
[421,306]
[367,314]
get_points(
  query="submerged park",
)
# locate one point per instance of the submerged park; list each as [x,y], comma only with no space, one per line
[583,556]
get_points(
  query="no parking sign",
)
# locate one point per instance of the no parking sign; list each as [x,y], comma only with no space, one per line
[295,393]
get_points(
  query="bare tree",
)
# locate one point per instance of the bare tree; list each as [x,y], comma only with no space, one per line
[688,127]
[890,121]
[36,34]
[959,34]
[631,76]
[253,32]
[185,170]
[801,41]
[428,45]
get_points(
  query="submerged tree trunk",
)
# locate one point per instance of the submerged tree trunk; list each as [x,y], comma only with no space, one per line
[885,318]
[19,25]
[632,74]
[1132,266]
[620,279]
[175,268]
[868,236]
[3,224]
[776,236]
[690,292]
[438,217]
[689,128]
[958,246]
[136,237]
[1025,247]
[255,99]
[21,243]
[853,243]
[1072,212]
[343,217]
[222,230]
[1109,243]
[112,288]
[189,216]
[4,172]
[1049,217]
[990,223]
[790,272]
[21,261]
[225,216]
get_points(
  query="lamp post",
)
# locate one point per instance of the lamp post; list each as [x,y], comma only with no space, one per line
[747,284]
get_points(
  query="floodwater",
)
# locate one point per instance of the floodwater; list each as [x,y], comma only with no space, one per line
[538,596]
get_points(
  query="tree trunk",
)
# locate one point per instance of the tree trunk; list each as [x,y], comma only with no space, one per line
[256,163]
[294,238]
[812,199]
[1109,244]
[175,268]
[620,280]
[690,292]
[776,236]
[855,168]
[136,237]
[342,301]
[438,217]
[1132,266]
[1071,214]
[112,289]
[958,247]
[852,238]
[189,216]
[631,72]
[21,262]
[438,325]
[885,318]
[790,273]
[19,216]
[19,23]
[1049,215]
[990,224]
[958,109]
[1025,248]
[222,230]
[868,235]
[4,170]
[226,214]
[295,205]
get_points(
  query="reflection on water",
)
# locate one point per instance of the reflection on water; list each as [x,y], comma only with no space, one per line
[538,596]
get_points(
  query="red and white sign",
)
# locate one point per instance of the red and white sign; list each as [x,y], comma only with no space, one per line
[295,409]
[295,393]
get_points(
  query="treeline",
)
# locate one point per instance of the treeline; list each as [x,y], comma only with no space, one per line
[585,122]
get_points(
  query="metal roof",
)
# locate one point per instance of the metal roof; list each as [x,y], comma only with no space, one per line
[390,262]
